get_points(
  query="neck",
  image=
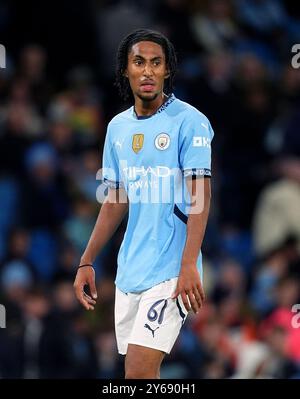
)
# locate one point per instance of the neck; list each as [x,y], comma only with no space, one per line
[148,108]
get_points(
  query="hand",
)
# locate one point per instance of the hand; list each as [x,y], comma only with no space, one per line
[190,288]
[85,276]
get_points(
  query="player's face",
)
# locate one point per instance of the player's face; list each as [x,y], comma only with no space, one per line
[146,70]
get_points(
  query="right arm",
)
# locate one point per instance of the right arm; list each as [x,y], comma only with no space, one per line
[110,216]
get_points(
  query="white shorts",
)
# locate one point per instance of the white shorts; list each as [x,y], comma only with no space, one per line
[149,318]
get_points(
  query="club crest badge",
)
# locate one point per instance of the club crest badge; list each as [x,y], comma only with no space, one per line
[137,142]
[162,141]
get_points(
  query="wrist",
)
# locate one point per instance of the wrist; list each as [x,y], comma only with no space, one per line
[188,263]
[86,260]
[83,265]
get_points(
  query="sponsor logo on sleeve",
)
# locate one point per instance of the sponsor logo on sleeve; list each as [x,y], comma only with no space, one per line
[201,141]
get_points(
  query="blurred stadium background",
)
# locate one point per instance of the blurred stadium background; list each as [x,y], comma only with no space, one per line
[56,97]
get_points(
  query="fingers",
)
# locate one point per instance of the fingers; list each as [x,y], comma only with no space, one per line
[193,299]
[201,292]
[86,301]
[199,298]
[86,278]
[185,301]
[194,304]
[89,299]
[80,296]
[93,289]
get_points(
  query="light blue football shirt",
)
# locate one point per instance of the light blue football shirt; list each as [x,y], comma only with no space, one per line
[150,157]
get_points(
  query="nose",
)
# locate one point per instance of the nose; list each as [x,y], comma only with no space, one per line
[148,70]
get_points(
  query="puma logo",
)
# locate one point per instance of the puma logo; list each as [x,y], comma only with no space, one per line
[149,328]
[118,143]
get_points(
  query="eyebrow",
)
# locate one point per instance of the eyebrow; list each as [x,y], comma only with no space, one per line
[158,57]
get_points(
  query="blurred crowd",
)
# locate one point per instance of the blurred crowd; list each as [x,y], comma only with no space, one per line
[56,98]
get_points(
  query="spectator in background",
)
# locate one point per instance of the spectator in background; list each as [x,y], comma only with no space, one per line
[67,259]
[244,174]
[16,137]
[85,108]
[274,220]
[18,244]
[45,198]
[279,332]
[84,176]
[282,138]
[291,139]
[251,361]
[169,15]
[212,92]
[127,16]
[289,86]
[215,29]
[230,282]
[60,133]
[79,109]
[32,70]
[17,274]
[219,352]
[279,364]
[264,20]
[276,264]
[107,354]
[18,247]
[250,70]
[83,358]
[79,226]
[16,280]
[47,341]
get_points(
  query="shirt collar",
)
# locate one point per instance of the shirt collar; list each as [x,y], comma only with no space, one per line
[164,105]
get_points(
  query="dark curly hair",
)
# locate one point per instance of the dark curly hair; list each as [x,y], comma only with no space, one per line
[125,46]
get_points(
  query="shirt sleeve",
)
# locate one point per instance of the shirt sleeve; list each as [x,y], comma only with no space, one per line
[110,163]
[196,135]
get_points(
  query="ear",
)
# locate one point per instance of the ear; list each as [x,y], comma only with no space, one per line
[125,73]
[167,74]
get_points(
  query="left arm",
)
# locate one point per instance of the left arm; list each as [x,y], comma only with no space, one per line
[189,284]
